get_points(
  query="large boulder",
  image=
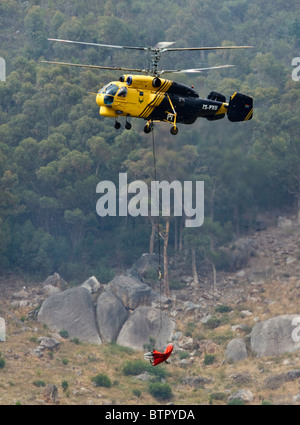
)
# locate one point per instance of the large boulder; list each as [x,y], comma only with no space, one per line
[92,285]
[275,336]
[143,323]
[131,291]
[146,267]
[57,281]
[111,314]
[236,350]
[242,395]
[71,310]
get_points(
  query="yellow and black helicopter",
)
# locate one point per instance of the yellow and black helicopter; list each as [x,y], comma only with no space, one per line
[153,98]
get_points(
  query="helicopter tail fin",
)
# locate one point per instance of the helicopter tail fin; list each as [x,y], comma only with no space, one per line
[240,107]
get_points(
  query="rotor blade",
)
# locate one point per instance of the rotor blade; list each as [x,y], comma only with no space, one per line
[163,44]
[115,68]
[191,70]
[98,44]
[174,49]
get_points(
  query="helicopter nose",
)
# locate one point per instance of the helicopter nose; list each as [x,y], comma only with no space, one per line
[99,99]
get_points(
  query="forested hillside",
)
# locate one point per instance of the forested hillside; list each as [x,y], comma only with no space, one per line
[55,147]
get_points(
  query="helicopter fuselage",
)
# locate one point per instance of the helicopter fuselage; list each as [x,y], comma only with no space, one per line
[156,99]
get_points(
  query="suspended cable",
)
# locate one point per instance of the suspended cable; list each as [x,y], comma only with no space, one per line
[158,234]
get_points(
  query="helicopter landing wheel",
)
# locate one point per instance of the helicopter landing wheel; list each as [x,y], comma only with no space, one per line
[174,130]
[127,125]
[117,125]
[147,128]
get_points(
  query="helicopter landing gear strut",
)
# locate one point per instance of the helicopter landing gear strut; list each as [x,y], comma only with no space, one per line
[174,130]
[148,127]
[127,125]
[172,117]
[118,125]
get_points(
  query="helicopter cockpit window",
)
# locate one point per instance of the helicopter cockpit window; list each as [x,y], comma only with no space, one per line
[110,92]
[122,92]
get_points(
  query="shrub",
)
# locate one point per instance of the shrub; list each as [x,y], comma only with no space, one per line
[236,402]
[64,385]
[134,367]
[136,392]
[157,372]
[2,362]
[63,333]
[266,403]
[190,329]
[212,323]
[183,354]
[223,309]
[217,396]
[209,359]
[39,383]
[101,380]
[160,391]
[177,284]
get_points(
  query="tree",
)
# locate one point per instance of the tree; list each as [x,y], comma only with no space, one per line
[204,243]
[35,28]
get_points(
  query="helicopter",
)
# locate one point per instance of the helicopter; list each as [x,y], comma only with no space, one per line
[149,96]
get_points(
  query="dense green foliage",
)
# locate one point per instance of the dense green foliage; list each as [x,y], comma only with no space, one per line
[161,391]
[101,380]
[136,367]
[55,148]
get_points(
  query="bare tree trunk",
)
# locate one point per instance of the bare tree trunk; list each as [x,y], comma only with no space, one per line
[214,277]
[180,242]
[194,266]
[176,235]
[152,236]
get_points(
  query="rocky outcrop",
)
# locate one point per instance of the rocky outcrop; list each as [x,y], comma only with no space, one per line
[71,310]
[111,315]
[236,350]
[119,311]
[131,291]
[243,395]
[275,336]
[57,281]
[275,381]
[144,323]
[146,267]
[92,285]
